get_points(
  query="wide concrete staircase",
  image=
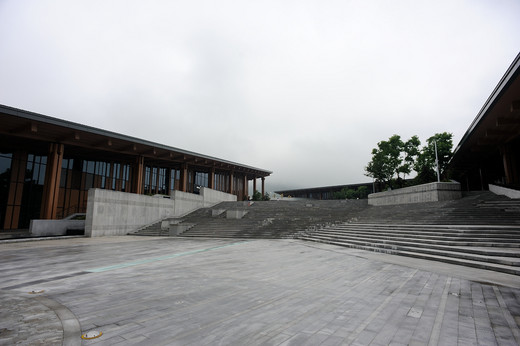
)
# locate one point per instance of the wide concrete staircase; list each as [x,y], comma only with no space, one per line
[481,230]
[475,208]
[488,247]
[262,219]
[269,219]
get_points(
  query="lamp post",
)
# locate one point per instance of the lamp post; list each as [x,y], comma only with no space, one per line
[437,162]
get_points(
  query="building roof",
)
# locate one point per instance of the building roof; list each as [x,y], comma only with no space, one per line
[321,189]
[21,123]
[497,122]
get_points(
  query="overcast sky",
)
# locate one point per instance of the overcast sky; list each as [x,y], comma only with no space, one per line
[303,88]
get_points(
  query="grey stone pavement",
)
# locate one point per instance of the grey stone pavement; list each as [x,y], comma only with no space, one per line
[174,291]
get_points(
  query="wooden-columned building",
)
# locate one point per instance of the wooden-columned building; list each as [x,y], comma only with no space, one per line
[489,152]
[47,166]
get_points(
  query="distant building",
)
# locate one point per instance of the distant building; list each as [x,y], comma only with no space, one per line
[47,166]
[324,192]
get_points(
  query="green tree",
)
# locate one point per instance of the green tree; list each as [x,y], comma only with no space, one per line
[340,194]
[346,193]
[257,196]
[425,164]
[362,192]
[392,158]
[385,160]
[351,194]
[411,152]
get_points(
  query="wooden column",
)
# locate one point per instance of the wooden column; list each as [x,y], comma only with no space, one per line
[14,197]
[168,178]
[211,179]
[263,186]
[138,175]
[244,190]
[51,187]
[254,184]
[231,176]
[184,177]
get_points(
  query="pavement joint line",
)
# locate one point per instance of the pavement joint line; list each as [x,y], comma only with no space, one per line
[160,258]
[69,322]
[507,315]
[40,281]
[32,239]
[436,330]
[377,311]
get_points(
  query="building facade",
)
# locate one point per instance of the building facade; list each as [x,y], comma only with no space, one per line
[47,166]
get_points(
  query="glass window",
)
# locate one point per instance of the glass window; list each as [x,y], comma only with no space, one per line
[115,175]
[5,162]
[147,172]
[162,181]
[126,177]
[154,180]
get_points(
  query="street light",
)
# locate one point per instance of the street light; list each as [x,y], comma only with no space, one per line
[437,162]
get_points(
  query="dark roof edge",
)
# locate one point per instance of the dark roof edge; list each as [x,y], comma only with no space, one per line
[324,187]
[76,126]
[504,81]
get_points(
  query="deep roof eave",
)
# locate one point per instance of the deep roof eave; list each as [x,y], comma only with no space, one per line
[506,79]
[80,127]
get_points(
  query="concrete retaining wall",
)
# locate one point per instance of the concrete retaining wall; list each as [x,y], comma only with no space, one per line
[117,213]
[42,228]
[431,192]
[499,190]
[235,214]
[212,197]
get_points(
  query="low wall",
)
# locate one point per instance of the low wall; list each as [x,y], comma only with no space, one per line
[212,197]
[117,213]
[499,190]
[42,228]
[432,192]
[235,214]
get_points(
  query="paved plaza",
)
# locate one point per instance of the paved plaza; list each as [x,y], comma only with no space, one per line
[175,291]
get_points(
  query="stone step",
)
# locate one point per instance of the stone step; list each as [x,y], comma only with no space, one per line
[228,234]
[440,236]
[485,249]
[498,247]
[427,233]
[434,229]
[489,226]
[476,263]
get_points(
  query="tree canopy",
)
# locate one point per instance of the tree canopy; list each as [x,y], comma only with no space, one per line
[346,193]
[426,161]
[394,159]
